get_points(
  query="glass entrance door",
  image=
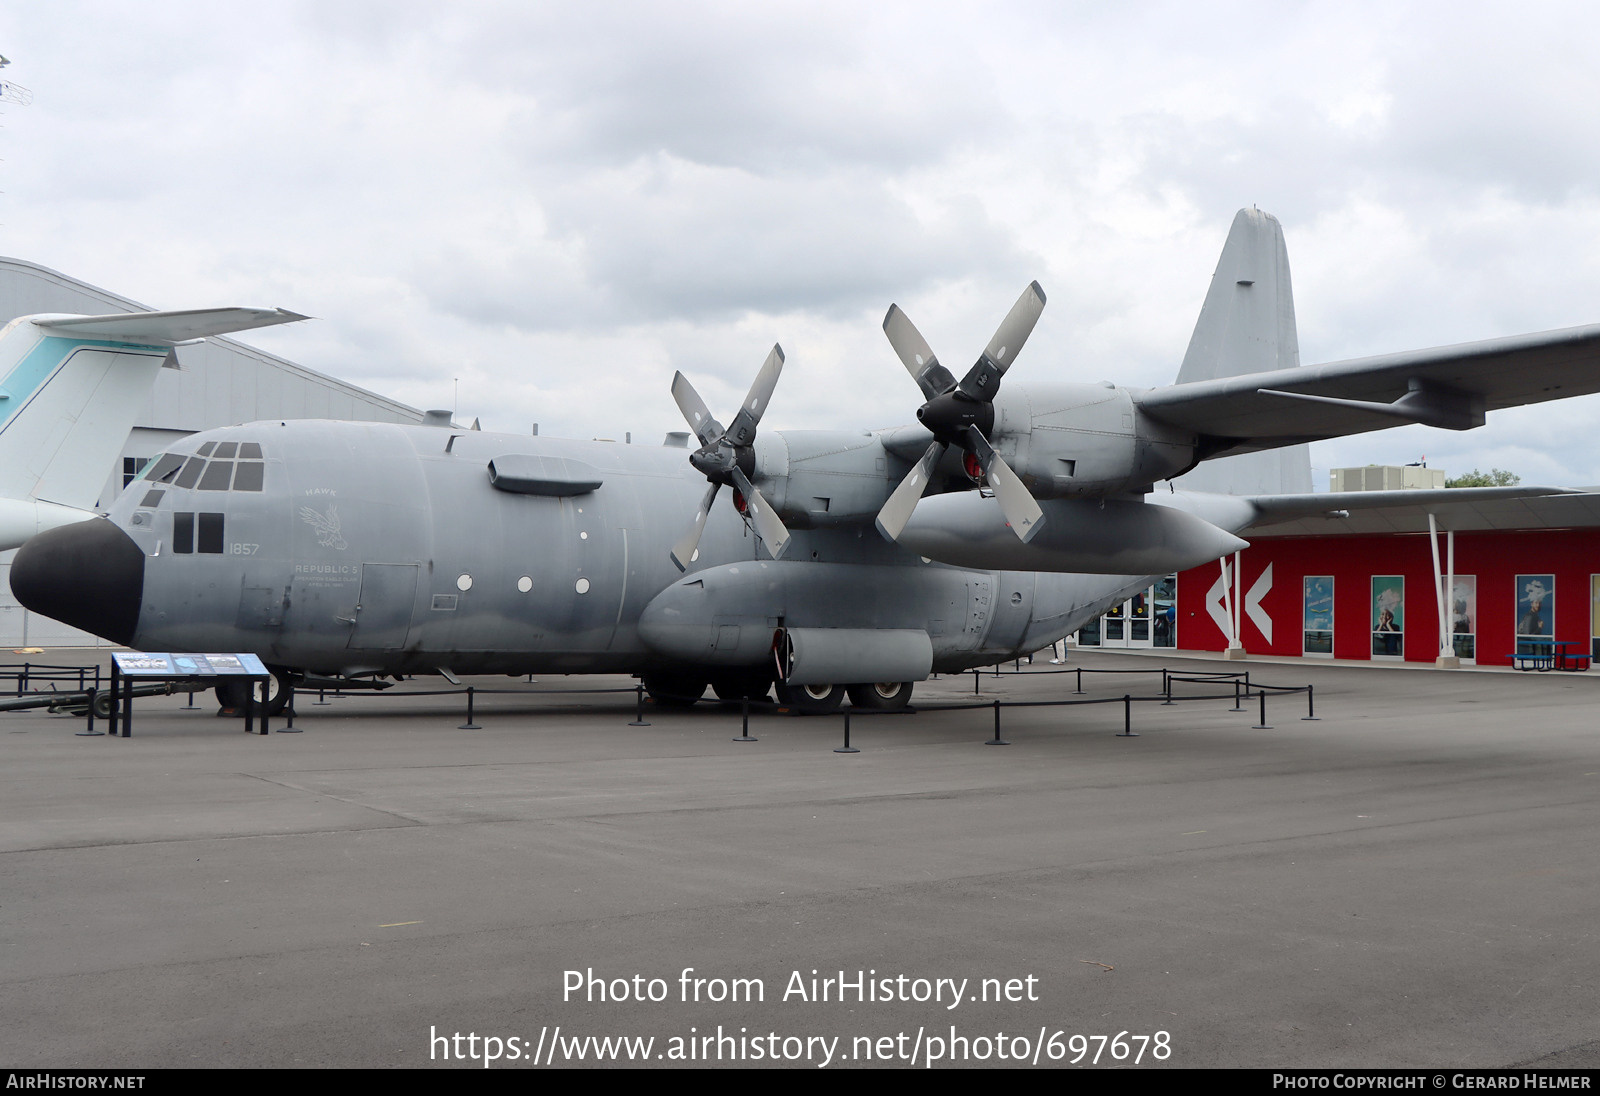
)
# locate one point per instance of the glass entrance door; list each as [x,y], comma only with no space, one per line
[1145,620]
[1128,624]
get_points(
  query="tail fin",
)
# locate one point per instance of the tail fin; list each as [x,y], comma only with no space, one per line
[1247,326]
[70,390]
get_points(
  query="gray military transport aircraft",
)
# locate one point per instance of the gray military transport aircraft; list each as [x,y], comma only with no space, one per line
[849,561]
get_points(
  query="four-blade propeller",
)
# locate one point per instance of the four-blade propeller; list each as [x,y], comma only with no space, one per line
[961,413]
[726,457]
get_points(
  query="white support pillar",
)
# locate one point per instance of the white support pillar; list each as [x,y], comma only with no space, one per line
[1236,588]
[1446,659]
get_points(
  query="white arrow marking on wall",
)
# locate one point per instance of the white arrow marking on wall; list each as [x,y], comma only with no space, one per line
[1252,603]
[1216,602]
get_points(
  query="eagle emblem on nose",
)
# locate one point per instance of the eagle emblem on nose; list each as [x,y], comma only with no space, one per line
[326,526]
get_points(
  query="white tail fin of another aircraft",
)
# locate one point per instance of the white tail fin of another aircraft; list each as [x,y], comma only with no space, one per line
[70,389]
[1247,326]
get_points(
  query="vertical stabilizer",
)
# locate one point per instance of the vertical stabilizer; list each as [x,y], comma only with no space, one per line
[70,389]
[1247,326]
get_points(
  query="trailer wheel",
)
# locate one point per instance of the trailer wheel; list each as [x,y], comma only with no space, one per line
[234,692]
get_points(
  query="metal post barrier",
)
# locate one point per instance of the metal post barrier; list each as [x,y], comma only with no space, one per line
[1127,717]
[1311,713]
[288,712]
[846,748]
[744,711]
[22,680]
[975,690]
[997,740]
[1166,686]
[1263,725]
[1080,680]
[469,725]
[322,700]
[88,730]
[266,695]
[638,710]
[1237,707]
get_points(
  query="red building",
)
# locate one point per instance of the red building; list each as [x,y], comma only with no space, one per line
[1524,577]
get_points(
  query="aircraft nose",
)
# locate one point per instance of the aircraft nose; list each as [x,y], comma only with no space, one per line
[89,575]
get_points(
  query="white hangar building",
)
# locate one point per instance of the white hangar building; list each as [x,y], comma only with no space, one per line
[218,383]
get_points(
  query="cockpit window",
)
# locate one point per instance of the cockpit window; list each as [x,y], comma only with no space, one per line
[191,471]
[219,473]
[162,469]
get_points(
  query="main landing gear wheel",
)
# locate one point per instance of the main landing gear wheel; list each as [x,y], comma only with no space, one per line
[674,690]
[811,699]
[882,696]
[234,692]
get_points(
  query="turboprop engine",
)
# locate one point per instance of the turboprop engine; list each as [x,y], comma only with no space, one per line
[1087,440]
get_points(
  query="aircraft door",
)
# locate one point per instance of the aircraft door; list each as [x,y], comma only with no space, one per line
[383,607]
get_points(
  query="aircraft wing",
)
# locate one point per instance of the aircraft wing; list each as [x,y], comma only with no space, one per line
[1448,386]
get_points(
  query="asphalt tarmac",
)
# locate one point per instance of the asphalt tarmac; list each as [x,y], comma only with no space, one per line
[1411,880]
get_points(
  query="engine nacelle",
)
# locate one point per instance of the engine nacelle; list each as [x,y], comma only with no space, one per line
[1082,536]
[817,479]
[1074,440]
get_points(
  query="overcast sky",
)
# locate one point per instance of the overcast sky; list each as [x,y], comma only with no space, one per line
[558,205]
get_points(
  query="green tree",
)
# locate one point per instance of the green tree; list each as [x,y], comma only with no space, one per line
[1494,477]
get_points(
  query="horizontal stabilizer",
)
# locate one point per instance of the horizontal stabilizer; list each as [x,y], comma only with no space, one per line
[167,327]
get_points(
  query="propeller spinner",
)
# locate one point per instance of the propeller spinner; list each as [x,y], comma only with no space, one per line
[961,413]
[726,458]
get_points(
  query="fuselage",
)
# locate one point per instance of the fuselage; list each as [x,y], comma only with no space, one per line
[349,548]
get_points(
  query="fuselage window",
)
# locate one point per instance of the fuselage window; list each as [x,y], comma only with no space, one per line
[210,540]
[152,498]
[183,533]
[205,450]
[219,473]
[249,450]
[250,475]
[225,450]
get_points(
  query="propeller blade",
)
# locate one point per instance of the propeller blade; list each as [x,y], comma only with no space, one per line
[683,551]
[743,429]
[897,511]
[916,355]
[983,379]
[1019,507]
[769,527]
[695,411]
